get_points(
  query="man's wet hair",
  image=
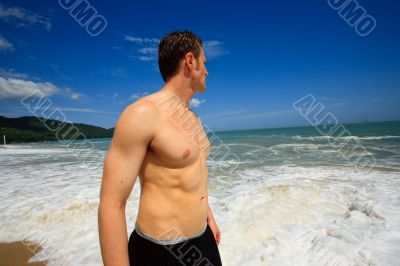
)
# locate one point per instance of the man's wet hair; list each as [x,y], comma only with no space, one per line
[173,47]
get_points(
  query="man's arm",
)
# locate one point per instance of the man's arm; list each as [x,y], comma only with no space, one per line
[213,225]
[132,135]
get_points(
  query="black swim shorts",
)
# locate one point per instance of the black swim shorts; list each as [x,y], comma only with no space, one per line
[199,250]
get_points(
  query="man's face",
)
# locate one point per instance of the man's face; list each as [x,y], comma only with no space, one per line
[199,73]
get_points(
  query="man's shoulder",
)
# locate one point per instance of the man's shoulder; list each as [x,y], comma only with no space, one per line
[141,108]
[144,112]
[139,119]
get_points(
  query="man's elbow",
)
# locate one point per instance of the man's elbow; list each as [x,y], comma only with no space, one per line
[111,205]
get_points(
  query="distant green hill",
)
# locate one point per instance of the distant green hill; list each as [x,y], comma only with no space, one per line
[31,129]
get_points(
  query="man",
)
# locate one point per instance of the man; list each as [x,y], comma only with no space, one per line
[159,139]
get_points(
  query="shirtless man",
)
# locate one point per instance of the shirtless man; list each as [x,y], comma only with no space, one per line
[159,139]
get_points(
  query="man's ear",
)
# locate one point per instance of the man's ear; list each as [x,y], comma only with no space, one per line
[189,60]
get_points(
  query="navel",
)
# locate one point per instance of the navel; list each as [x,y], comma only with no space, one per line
[186,154]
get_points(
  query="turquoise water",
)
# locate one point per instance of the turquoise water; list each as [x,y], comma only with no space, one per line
[289,196]
[304,146]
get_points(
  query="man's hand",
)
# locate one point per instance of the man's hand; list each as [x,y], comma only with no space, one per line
[213,226]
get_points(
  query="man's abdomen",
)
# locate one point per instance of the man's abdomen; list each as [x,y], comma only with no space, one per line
[172,209]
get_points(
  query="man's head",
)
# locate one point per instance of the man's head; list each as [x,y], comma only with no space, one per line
[182,52]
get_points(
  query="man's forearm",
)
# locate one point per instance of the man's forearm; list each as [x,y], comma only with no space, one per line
[113,235]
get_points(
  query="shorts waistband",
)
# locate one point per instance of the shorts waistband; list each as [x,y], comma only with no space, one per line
[140,232]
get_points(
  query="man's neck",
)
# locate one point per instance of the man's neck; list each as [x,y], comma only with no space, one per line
[182,91]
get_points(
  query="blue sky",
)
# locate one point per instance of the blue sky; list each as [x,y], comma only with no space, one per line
[262,57]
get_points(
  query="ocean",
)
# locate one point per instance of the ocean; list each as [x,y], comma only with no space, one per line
[290,196]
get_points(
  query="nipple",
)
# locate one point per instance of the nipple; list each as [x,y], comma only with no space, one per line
[186,154]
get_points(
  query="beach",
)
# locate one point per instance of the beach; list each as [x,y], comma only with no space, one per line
[18,254]
[289,198]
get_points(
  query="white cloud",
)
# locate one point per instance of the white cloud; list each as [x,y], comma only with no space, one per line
[153,40]
[83,110]
[17,111]
[116,72]
[21,110]
[194,103]
[75,96]
[115,95]
[133,39]
[23,17]
[145,49]
[214,49]
[11,88]
[11,73]
[15,88]
[148,50]
[145,58]
[140,40]
[5,45]
[71,94]
[139,95]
